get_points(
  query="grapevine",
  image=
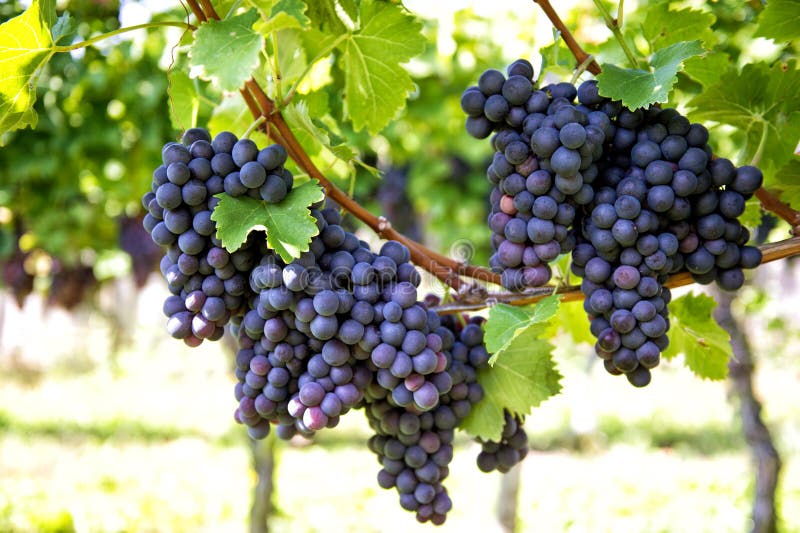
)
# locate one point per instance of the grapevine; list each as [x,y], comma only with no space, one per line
[622,188]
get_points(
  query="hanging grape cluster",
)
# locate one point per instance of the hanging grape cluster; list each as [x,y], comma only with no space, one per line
[634,195]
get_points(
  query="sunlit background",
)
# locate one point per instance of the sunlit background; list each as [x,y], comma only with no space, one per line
[107,424]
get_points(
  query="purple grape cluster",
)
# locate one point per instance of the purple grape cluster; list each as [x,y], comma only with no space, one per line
[662,205]
[509,451]
[635,195]
[546,150]
[323,326]
[208,284]
[339,328]
[415,448]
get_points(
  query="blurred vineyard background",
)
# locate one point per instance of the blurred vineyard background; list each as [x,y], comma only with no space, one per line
[106,424]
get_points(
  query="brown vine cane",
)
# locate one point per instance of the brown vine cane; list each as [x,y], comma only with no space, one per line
[446,269]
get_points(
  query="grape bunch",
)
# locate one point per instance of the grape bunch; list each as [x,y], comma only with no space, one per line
[339,328]
[634,195]
[321,326]
[546,151]
[509,451]
[662,205]
[208,284]
[415,448]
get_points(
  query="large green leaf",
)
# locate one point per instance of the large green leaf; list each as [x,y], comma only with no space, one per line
[226,52]
[707,69]
[289,224]
[694,333]
[663,26]
[523,378]
[787,182]
[183,100]
[761,102]
[523,373]
[639,88]
[25,46]
[376,86]
[505,322]
[288,14]
[323,15]
[780,20]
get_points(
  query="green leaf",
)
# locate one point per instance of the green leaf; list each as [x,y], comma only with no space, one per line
[780,20]
[64,28]
[663,26]
[707,69]
[232,114]
[291,55]
[25,46]
[350,8]
[640,88]
[226,52]
[752,213]
[317,142]
[502,325]
[183,101]
[787,182]
[376,86]
[694,333]
[763,104]
[572,319]
[289,224]
[506,322]
[286,14]
[523,378]
[323,15]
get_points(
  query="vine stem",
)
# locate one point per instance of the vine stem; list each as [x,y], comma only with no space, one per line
[579,53]
[126,29]
[260,104]
[613,25]
[771,252]
[446,269]
[254,126]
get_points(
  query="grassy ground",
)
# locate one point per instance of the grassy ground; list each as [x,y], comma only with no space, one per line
[145,441]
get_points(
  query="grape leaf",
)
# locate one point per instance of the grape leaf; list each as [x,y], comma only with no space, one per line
[694,333]
[780,20]
[663,26]
[64,28]
[286,14]
[323,14]
[376,86]
[183,100]
[226,52]
[524,377]
[289,224]
[350,8]
[25,46]
[708,69]
[316,141]
[572,319]
[639,88]
[752,213]
[763,103]
[787,182]
[506,322]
